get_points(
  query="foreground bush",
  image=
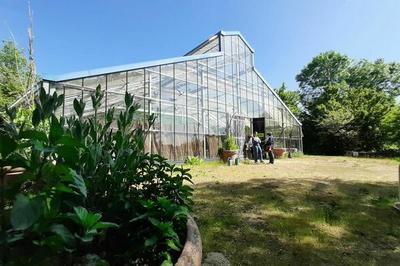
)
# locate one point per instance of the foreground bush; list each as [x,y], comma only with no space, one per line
[89,194]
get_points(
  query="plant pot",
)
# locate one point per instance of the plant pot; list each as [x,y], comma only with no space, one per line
[278,152]
[226,154]
[192,250]
[11,175]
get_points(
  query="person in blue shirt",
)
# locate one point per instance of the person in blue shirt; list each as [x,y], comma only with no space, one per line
[269,147]
[257,148]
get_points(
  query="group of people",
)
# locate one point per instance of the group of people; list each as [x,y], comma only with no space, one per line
[254,147]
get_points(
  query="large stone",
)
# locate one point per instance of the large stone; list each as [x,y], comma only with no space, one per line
[216,259]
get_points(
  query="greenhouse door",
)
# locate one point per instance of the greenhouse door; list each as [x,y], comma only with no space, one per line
[259,127]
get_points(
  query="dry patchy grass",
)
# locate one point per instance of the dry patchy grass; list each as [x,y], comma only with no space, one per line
[312,210]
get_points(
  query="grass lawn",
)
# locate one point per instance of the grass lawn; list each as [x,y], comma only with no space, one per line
[312,210]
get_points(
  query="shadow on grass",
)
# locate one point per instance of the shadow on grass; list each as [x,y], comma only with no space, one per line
[301,222]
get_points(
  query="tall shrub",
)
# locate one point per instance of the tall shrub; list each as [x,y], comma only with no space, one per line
[88,190]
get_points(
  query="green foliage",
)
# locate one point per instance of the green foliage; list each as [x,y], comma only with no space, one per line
[290,98]
[88,192]
[193,160]
[346,103]
[391,125]
[230,143]
[14,74]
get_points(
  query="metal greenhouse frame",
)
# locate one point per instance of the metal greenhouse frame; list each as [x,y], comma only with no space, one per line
[198,98]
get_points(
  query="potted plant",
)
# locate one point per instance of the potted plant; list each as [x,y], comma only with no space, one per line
[230,149]
[279,152]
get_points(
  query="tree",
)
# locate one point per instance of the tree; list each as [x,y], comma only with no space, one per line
[391,127]
[14,74]
[290,98]
[345,102]
[319,80]
[376,75]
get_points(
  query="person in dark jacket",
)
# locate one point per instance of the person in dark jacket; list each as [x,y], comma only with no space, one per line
[270,146]
[257,148]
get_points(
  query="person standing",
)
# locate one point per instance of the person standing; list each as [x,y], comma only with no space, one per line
[249,147]
[270,146]
[257,148]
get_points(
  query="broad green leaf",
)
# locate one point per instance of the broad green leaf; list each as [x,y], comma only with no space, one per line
[72,177]
[154,221]
[36,117]
[69,141]
[172,245]
[69,153]
[25,212]
[64,233]
[149,242]
[55,242]
[78,183]
[56,130]
[168,259]
[33,134]
[81,213]
[7,145]
[103,225]
[87,219]
[63,188]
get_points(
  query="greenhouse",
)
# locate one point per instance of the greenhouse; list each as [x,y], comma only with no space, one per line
[199,98]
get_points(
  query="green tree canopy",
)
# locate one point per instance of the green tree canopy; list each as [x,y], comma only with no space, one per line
[290,98]
[14,73]
[346,103]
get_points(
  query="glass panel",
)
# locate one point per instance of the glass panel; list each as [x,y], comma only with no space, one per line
[70,94]
[193,145]
[180,71]
[213,126]
[167,145]
[155,109]
[192,120]
[205,121]
[155,142]
[136,85]
[180,146]
[235,48]
[201,146]
[90,85]
[116,82]
[180,118]
[228,45]
[116,87]
[212,144]
[222,122]
[74,82]
[192,72]
[167,88]
[210,47]
[180,92]
[167,117]
[93,82]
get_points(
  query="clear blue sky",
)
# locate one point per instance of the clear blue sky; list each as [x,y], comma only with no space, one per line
[79,35]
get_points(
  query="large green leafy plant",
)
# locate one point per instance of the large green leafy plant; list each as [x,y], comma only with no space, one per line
[88,189]
[230,144]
